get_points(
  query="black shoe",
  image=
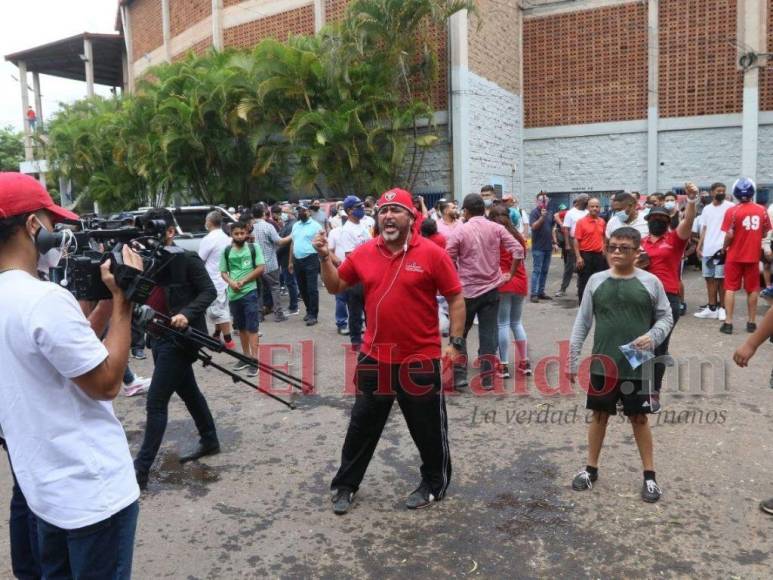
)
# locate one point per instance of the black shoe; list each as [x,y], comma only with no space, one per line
[202,450]
[544,296]
[682,308]
[584,480]
[534,299]
[292,311]
[139,353]
[751,327]
[767,506]
[142,478]
[311,321]
[726,328]
[240,366]
[306,318]
[342,501]
[280,317]
[421,497]
[650,491]
[252,372]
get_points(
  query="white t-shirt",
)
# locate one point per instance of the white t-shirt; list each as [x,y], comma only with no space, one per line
[352,236]
[711,220]
[639,224]
[210,251]
[334,243]
[69,452]
[572,217]
[368,223]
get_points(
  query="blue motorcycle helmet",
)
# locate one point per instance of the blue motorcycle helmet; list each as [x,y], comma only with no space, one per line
[744,189]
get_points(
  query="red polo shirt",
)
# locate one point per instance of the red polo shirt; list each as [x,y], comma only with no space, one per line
[589,234]
[400,296]
[750,223]
[666,259]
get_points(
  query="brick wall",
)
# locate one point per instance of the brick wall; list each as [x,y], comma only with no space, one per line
[146,27]
[334,9]
[766,74]
[586,67]
[279,26]
[227,3]
[199,48]
[494,45]
[185,13]
[698,75]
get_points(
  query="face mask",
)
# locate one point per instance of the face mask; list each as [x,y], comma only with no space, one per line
[488,202]
[542,202]
[720,197]
[657,227]
[358,212]
[621,216]
[669,205]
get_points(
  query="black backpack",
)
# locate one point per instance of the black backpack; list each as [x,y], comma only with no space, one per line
[253,255]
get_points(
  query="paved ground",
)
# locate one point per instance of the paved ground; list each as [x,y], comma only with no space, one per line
[261,508]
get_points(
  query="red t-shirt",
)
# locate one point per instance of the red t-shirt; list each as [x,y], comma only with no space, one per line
[400,296]
[439,239]
[749,223]
[589,234]
[666,259]
[518,284]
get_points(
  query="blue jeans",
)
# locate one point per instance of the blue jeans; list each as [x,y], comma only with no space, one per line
[23,528]
[509,320]
[101,550]
[342,310]
[539,272]
[288,280]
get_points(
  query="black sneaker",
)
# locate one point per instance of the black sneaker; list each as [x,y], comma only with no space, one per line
[421,497]
[584,480]
[240,366]
[342,501]
[767,506]
[293,311]
[751,327]
[280,317]
[311,321]
[544,296]
[139,353]
[682,308]
[726,328]
[252,372]
[650,491]
[306,318]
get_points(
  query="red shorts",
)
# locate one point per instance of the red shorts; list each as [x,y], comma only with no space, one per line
[744,274]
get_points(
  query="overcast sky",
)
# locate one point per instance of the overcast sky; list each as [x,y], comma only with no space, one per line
[29,23]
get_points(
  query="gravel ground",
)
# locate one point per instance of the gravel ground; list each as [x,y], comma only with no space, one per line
[261,508]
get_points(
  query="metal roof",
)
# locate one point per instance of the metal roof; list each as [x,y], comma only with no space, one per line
[63,58]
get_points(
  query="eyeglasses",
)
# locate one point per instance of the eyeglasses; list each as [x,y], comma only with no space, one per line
[625,250]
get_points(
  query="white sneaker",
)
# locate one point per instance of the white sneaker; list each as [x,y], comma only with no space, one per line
[706,313]
[138,387]
[722,314]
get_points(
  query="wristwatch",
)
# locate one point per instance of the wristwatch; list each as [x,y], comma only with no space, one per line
[457,342]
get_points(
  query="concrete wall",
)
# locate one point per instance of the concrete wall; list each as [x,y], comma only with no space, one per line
[435,175]
[765,156]
[494,134]
[702,156]
[600,162]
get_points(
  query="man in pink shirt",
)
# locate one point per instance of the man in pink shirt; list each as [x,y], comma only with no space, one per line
[475,249]
[447,219]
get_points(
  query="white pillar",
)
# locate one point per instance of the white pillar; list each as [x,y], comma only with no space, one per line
[88,52]
[319,15]
[752,19]
[129,45]
[25,103]
[217,24]
[653,58]
[460,114]
[166,30]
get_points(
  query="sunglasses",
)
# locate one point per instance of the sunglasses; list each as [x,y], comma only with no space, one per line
[624,250]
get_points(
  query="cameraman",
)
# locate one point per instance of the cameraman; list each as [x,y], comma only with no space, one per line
[68,450]
[185,298]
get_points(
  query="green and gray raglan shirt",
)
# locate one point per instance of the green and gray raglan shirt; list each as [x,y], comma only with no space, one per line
[624,310]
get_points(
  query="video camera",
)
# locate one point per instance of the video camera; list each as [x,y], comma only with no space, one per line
[84,252]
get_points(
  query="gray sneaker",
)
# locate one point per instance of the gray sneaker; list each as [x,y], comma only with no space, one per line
[342,501]
[421,497]
[240,366]
[583,481]
[650,491]
[252,372]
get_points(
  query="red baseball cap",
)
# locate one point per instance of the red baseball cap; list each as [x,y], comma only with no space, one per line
[20,194]
[397,197]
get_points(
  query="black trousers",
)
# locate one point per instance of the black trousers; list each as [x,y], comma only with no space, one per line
[356,305]
[419,393]
[486,306]
[307,273]
[594,262]
[660,368]
[173,373]
[570,265]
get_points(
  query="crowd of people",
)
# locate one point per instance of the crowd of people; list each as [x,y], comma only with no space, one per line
[404,277]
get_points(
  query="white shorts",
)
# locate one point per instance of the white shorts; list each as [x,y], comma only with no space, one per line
[218,312]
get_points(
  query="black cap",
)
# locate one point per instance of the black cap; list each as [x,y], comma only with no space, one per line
[655,211]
